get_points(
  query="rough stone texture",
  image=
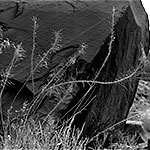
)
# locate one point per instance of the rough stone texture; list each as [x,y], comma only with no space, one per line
[89,22]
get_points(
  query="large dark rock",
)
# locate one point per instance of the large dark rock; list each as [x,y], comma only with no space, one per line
[89,23]
[84,22]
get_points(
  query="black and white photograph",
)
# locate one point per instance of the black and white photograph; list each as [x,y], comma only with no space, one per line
[74,75]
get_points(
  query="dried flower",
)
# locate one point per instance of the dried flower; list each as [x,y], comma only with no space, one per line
[56,46]
[19,51]
[73,60]
[4,44]
[82,50]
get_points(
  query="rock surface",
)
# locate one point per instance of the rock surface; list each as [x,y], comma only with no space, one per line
[81,22]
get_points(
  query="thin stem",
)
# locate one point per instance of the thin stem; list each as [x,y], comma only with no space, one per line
[34,19]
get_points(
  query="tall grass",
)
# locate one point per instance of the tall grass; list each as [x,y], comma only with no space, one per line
[27,133]
[30,133]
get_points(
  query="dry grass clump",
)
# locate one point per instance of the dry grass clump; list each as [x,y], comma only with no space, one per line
[48,136]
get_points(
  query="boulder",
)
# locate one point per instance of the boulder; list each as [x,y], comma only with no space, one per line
[115,33]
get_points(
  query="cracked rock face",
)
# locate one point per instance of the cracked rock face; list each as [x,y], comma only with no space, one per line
[82,22]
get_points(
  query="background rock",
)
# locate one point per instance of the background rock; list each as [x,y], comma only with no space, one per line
[86,22]
[89,23]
